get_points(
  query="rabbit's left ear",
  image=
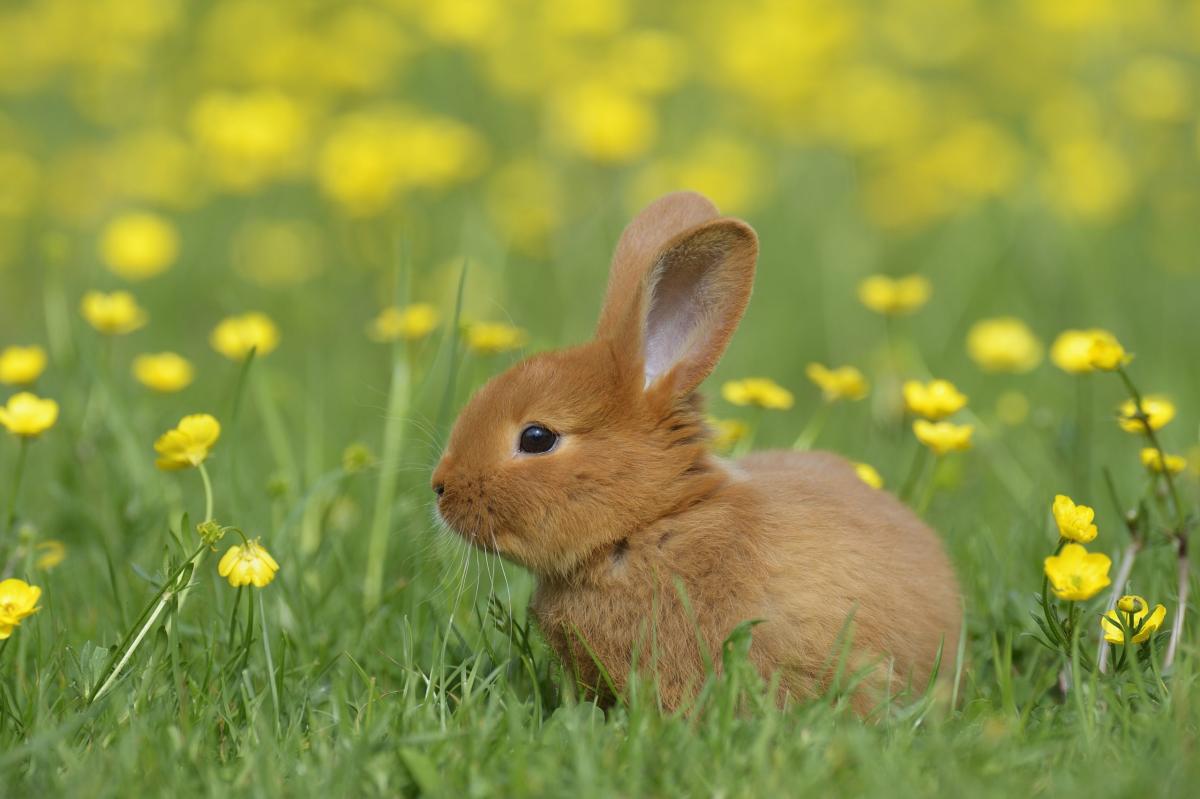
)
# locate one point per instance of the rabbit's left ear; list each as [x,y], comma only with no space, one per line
[671,311]
[698,291]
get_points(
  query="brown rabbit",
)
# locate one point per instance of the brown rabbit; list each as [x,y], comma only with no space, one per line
[591,467]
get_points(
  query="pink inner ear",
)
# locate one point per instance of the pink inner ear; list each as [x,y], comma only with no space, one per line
[679,303]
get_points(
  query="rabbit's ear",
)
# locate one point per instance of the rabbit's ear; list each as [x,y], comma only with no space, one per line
[681,278]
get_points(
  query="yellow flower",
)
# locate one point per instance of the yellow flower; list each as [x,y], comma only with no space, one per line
[50,553]
[727,432]
[866,472]
[844,382]
[409,323]
[1157,410]
[165,372]
[1076,574]
[248,138]
[934,400]
[943,437]
[1107,354]
[189,443]
[372,156]
[1004,344]
[1073,350]
[21,366]
[1152,461]
[1074,521]
[894,296]
[137,246]
[1154,88]
[761,392]
[603,122]
[248,564]
[1145,622]
[113,314]
[28,416]
[490,338]
[235,336]
[18,600]
[1087,177]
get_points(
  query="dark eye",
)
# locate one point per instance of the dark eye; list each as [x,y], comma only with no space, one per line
[536,439]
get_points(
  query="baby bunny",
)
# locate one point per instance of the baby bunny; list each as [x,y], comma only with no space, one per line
[592,468]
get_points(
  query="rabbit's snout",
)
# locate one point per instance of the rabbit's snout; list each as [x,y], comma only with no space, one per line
[438,480]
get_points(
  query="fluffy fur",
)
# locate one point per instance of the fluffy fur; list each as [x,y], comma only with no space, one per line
[647,547]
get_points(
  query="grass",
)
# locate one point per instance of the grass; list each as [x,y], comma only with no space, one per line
[387,658]
[442,686]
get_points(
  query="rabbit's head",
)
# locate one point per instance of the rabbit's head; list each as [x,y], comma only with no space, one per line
[569,452]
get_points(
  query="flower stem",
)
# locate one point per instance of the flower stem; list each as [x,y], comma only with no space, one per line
[155,608]
[1050,615]
[1180,533]
[248,639]
[1152,437]
[816,423]
[208,493]
[914,472]
[262,617]
[1181,547]
[237,601]
[10,511]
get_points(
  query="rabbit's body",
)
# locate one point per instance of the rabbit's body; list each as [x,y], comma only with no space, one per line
[792,539]
[591,467]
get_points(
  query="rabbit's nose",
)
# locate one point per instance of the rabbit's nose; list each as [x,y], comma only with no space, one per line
[437,481]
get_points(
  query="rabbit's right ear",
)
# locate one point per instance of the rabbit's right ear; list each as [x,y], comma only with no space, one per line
[680,280]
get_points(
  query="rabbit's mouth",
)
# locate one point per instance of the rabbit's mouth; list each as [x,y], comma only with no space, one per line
[468,521]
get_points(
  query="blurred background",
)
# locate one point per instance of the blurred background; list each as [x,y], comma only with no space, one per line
[1032,159]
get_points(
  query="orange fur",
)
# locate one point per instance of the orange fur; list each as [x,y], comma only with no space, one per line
[650,550]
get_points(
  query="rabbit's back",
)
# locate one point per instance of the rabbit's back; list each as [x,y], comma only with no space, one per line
[842,553]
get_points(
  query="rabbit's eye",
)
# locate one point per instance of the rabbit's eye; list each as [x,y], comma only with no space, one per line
[536,439]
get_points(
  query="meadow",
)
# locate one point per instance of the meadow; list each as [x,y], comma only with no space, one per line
[256,254]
